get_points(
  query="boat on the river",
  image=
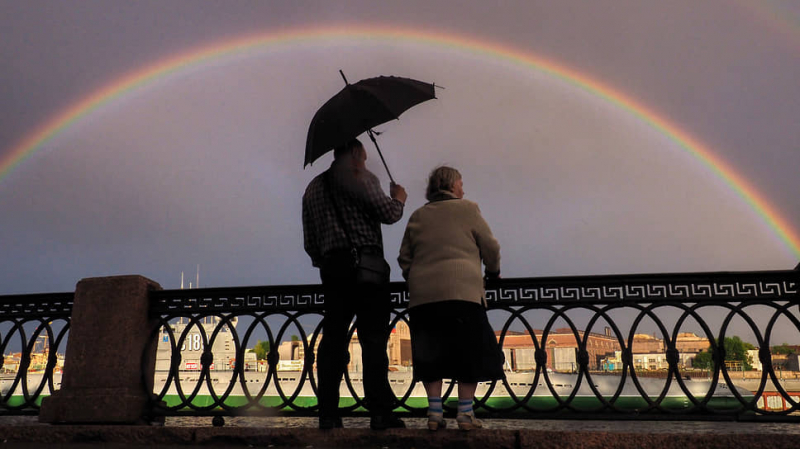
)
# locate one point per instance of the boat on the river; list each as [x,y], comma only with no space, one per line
[281,388]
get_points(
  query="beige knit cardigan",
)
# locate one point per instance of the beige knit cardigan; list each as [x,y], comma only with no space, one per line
[443,246]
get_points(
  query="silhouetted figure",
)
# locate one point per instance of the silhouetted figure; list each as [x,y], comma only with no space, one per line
[343,209]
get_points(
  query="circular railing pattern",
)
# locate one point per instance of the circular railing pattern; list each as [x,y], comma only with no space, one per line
[33,334]
[580,304]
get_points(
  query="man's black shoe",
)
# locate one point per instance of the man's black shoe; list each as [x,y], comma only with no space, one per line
[386,422]
[327,423]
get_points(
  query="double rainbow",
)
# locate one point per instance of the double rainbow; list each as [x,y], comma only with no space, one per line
[50,129]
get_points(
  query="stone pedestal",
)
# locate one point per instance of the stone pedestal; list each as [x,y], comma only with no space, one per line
[108,377]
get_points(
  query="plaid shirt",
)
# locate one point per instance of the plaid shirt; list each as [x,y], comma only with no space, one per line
[363,206]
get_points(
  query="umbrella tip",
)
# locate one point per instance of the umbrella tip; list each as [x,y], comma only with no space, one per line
[343,77]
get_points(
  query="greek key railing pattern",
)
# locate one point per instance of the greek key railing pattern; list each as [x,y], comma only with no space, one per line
[602,317]
[693,287]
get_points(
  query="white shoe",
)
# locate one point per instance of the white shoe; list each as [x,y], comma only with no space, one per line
[467,421]
[436,422]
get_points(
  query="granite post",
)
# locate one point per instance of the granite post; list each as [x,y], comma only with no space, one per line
[108,377]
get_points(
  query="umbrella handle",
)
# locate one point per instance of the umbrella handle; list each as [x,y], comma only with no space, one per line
[372,137]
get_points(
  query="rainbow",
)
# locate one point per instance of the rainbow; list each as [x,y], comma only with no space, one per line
[50,129]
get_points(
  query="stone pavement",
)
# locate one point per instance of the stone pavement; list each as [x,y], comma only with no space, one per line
[511,434]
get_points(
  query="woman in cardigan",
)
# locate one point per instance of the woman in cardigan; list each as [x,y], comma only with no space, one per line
[444,244]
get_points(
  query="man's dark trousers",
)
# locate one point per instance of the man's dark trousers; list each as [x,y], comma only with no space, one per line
[371,305]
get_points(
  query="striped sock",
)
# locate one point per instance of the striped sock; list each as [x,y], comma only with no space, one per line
[465,407]
[435,406]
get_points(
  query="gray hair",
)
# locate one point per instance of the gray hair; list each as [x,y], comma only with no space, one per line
[346,149]
[441,179]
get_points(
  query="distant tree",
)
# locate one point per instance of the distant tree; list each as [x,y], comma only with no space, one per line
[782,349]
[295,338]
[703,360]
[261,349]
[735,350]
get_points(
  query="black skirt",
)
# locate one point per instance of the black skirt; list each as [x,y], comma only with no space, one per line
[454,340]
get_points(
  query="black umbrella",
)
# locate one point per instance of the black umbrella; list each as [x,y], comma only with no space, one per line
[359,107]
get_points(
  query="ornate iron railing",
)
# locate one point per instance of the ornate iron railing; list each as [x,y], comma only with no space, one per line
[33,332]
[592,326]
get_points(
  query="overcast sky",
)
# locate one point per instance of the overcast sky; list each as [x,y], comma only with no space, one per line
[203,165]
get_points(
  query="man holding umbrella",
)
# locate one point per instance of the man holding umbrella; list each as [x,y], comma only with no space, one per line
[343,209]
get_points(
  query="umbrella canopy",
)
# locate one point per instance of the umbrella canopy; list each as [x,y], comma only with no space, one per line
[359,107]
